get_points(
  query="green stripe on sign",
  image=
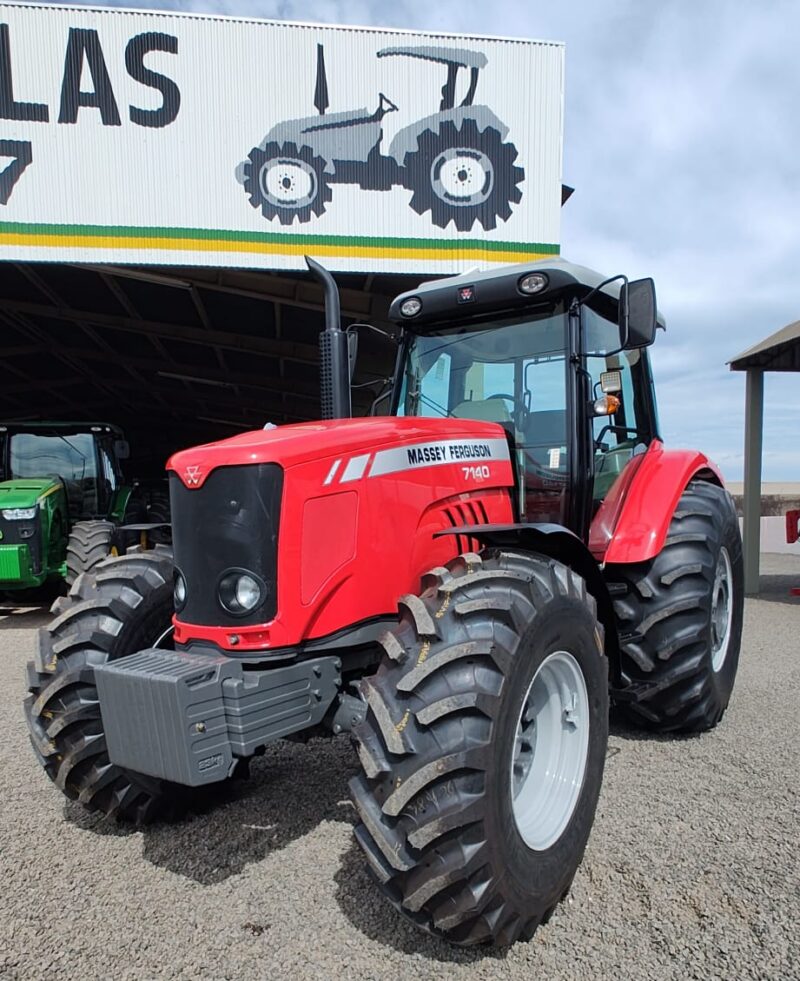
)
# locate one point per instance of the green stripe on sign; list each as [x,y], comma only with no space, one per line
[268,238]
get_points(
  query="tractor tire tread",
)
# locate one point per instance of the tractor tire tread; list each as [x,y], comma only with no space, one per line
[422,810]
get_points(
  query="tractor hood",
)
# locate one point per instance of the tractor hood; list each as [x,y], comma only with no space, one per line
[306,441]
[24,492]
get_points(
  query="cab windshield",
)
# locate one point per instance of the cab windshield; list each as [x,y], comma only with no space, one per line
[506,371]
[70,457]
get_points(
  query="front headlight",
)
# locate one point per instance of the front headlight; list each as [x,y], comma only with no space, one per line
[240,592]
[19,514]
[179,591]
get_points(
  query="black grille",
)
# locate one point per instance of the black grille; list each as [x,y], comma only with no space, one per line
[231,522]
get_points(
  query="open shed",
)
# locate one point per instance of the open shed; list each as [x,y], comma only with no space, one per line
[778,352]
[178,356]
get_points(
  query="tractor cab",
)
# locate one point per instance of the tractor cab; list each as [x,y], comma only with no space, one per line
[556,356]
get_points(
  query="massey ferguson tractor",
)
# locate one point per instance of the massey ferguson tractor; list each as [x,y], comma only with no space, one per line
[462,586]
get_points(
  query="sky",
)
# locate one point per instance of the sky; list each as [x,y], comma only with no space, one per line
[682,139]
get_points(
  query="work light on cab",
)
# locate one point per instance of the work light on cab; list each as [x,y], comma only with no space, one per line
[411,307]
[533,283]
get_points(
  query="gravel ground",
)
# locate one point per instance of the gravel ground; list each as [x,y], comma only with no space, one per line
[692,871]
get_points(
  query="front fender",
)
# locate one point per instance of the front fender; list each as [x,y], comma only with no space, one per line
[559,543]
[631,524]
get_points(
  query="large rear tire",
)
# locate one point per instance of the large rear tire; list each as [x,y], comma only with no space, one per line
[463,174]
[124,607]
[466,831]
[680,617]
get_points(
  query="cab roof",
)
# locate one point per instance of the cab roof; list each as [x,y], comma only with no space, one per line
[66,427]
[497,289]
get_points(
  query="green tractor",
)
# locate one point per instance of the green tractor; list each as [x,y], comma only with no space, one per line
[64,506]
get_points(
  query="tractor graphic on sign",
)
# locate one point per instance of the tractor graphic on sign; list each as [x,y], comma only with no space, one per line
[456,162]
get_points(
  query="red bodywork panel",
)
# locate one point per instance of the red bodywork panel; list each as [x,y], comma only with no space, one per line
[792,527]
[362,501]
[632,522]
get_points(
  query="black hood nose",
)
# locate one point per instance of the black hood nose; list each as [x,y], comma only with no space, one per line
[229,523]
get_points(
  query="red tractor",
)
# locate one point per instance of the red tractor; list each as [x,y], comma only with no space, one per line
[463,585]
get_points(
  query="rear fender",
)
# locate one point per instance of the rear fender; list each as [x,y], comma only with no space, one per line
[631,524]
[406,140]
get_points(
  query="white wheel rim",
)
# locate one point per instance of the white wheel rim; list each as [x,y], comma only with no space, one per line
[551,747]
[288,183]
[462,177]
[721,610]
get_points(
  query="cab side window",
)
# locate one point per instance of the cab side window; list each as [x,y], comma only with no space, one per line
[617,438]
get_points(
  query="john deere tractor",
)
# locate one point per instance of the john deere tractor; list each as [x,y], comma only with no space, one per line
[63,502]
[463,586]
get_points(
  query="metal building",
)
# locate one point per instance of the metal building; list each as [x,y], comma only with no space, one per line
[165,175]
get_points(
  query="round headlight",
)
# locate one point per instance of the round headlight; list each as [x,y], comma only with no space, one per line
[247,592]
[411,307]
[240,592]
[533,283]
[179,591]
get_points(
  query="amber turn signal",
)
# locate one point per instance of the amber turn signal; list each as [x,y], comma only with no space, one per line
[606,406]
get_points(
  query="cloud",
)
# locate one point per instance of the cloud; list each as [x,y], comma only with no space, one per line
[683,141]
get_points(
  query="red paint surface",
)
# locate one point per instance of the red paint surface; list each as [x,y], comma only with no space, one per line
[635,525]
[363,567]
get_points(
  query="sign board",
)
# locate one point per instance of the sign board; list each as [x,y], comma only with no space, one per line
[138,137]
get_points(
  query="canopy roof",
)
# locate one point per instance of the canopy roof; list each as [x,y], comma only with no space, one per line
[778,352]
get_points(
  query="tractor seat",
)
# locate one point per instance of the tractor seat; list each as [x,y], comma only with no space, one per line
[548,428]
[485,410]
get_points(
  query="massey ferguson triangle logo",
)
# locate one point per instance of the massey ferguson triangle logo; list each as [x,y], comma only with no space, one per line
[192,475]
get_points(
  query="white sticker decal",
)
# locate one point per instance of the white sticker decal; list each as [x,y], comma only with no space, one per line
[332,471]
[435,454]
[355,468]
[555,458]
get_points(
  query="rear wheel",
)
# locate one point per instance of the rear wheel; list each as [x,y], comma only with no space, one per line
[124,607]
[483,747]
[463,175]
[680,617]
[89,544]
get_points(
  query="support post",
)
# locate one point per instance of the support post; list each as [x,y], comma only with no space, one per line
[753,435]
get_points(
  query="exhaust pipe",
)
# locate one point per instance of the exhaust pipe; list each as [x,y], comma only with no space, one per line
[334,355]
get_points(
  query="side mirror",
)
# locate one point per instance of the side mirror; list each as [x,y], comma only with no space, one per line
[122,449]
[637,313]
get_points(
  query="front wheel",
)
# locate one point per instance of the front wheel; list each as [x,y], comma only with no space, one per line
[89,543]
[483,747]
[124,607]
[286,182]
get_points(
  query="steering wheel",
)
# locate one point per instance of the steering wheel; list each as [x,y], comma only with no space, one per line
[500,395]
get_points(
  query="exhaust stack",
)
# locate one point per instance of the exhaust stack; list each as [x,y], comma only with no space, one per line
[334,356]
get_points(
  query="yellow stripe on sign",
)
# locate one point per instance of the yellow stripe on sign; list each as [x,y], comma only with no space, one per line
[272,248]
